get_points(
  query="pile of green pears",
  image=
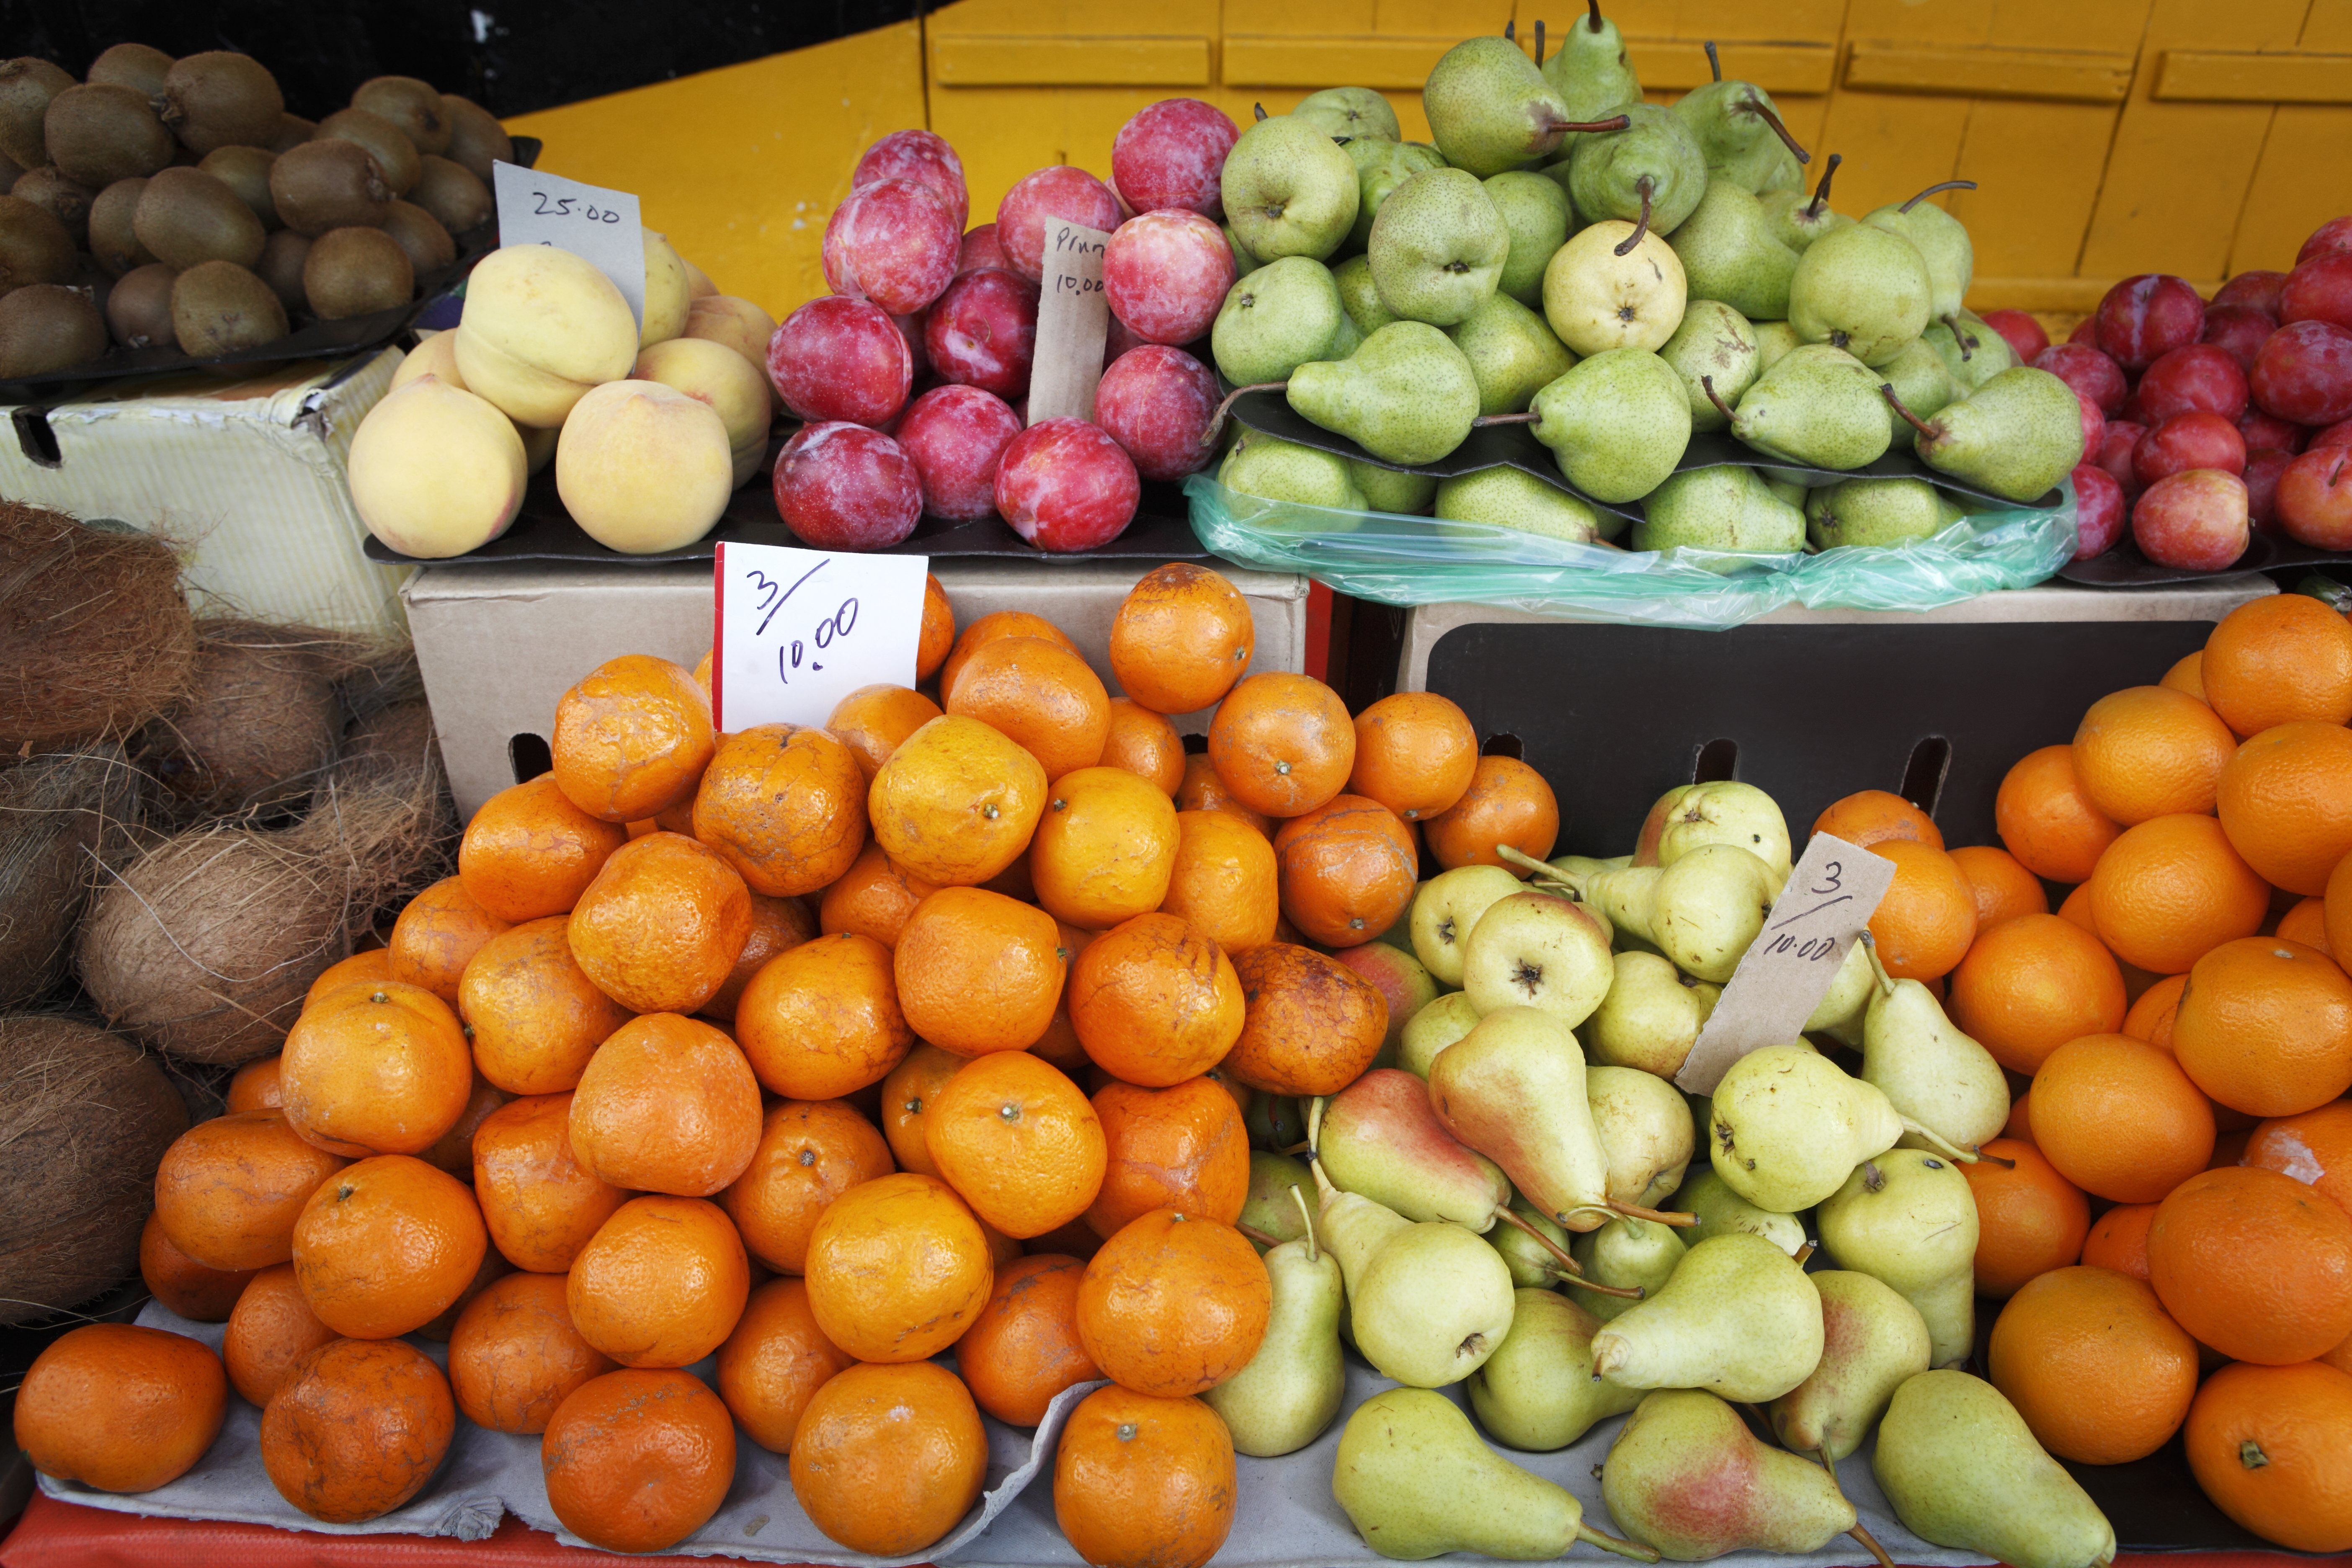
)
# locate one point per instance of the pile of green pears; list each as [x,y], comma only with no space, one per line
[1617,276]
[1514,1198]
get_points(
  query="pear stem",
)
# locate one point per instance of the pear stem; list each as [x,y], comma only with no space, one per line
[1315,1132]
[1707,383]
[1585,1532]
[1870,949]
[1547,1242]
[1931,190]
[1540,43]
[2003,1160]
[1887,391]
[1260,107]
[1950,1150]
[1484,420]
[1713,64]
[1763,112]
[1656,1216]
[1594,8]
[1630,1293]
[1802,1253]
[1299,1197]
[1293,1149]
[1511,30]
[1822,192]
[1615,122]
[1217,420]
[1256,1235]
[1626,246]
[1870,1541]
[1542,875]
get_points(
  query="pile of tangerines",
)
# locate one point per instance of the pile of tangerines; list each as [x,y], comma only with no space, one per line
[825,1050]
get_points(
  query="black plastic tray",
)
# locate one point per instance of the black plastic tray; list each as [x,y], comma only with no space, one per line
[2124,566]
[315,340]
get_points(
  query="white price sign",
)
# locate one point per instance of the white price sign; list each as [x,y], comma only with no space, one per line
[600,226]
[798,630]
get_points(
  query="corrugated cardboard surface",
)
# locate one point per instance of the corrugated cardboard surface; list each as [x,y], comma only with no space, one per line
[249,477]
[499,646]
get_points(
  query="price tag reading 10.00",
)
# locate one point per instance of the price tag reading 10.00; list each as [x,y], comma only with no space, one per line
[797,630]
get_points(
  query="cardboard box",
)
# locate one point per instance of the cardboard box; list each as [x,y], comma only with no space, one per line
[251,478]
[499,646]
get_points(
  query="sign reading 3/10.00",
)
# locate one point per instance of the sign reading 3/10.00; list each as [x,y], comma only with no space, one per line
[795,631]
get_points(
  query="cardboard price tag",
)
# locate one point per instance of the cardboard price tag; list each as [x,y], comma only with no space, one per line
[600,226]
[797,630]
[1830,895]
[1073,321]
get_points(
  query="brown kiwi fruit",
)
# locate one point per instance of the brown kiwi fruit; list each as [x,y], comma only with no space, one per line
[26,86]
[33,246]
[139,308]
[451,192]
[219,98]
[97,135]
[415,106]
[9,172]
[113,231]
[292,131]
[356,273]
[329,183]
[420,234]
[393,153]
[139,66]
[59,197]
[476,139]
[282,268]
[47,327]
[247,170]
[187,217]
[219,307]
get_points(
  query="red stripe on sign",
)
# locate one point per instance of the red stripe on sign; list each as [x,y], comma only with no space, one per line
[1318,631]
[718,636]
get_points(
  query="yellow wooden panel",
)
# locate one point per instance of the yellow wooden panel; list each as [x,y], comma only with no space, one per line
[1911,23]
[1893,146]
[741,166]
[973,59]
[2037,167]
[1239,104]
[1797,21]
[2177,173]
[1990,72]
[2109,27]
[2194,76]
[1678,65]
[1074,18]
[2328,29]
[1384,62]
[2304,179]
[1459,19]
[1329,16]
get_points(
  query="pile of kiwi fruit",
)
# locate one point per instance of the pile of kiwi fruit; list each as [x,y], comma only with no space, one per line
[162,201]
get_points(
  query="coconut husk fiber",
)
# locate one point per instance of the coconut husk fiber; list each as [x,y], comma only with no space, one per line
[205,944]
[395,751]
[64,817]
[258,725]
[84,1117]
[95,635]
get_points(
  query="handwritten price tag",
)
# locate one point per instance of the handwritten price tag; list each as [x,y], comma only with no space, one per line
[601,227]
[798,630]
[1073,321]
[1832,893]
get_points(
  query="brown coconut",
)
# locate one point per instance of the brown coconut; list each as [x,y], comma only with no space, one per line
[65,817]
[259,726]
[203,945]
[84,1117]
[95,635]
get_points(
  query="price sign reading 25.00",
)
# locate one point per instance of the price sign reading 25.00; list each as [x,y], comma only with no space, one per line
[797,630]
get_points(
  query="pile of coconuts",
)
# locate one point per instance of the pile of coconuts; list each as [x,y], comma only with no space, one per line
[175,201]
[198,816]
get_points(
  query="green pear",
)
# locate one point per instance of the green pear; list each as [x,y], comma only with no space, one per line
[1877,512]
[1538,1392]
[1922,383]
[1872,1340]
[1292,1388]
[1962,1469]
[1796,220]
[1445,911]
[1626,896]
[1346,339]
[1437,247]
[1278,317]
[1358,299]
[1512,353]
[1244,262]
[1651,1017]
[1628,1252]
[1927,1069]
[1613,286]
[1617,423]
[1434,1303]
[1286,471]
[1381,1139]
[1513,1088]
[1381,165]
[1536,213]
[1274,1122]
[1645,1132]
[1724,508]
[1722,1211]
[1416,1482]
[1533,949]
[2016,436]
[1908,1219]
[1652,173]
[1738,128]
[1709,905]
[1269,1208]
[1355,112]
[1724,811]
[1730,254]
[1814,405]
[1790,1127]
[1971,351]
[1406,396]
[1774,343]
[1398,490]
[1717,342]
[1534,1265]
[1942,241]
[1737,1316]
[1669,1482]
[1861,289]
[1432,1029]
[1505,497]
[1490,109]
[1289,190]
[1591,73]
[1845,1005]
